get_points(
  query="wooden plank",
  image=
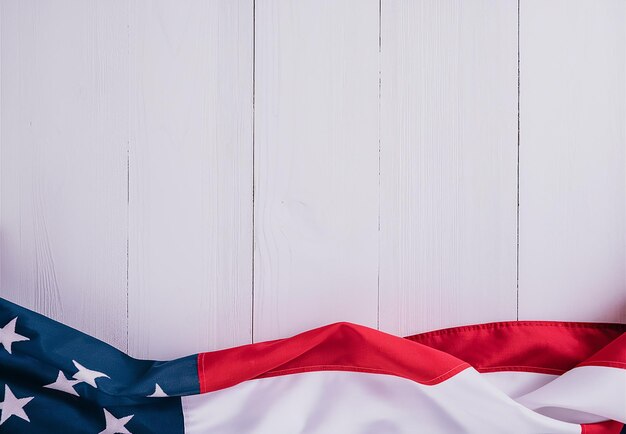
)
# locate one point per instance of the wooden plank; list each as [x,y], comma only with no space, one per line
[316,164]
[572,160]
[448,163]
[63,175]
[190,240]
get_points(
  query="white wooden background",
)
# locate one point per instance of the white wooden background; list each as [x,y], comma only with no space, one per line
[185,176]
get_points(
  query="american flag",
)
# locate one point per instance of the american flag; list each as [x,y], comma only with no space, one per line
[507,377]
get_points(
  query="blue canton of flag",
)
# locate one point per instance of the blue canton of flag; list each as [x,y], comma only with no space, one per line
[55,379]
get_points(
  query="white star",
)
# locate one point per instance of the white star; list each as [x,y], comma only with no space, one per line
[158,392]
[63,384]
[8,335]
[12,406]
[87,375]
[115,425]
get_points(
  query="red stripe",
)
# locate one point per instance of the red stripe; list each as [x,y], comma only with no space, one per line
[428,358]
[608,427]
[532,346]
[612,355]
[337,347]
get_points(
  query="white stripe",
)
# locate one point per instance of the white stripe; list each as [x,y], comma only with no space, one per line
[330,402]
[582,395]
[515,383]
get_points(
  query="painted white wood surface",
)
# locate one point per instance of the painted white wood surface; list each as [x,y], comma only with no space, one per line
[572,160]
[63,161]
[149,200]
[448,163]
[316,164]
[190,208]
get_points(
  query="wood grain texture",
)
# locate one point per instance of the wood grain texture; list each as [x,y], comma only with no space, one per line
[448,163]
[316,164]
[572,160]
[190,239]
[185,176]
[63,168]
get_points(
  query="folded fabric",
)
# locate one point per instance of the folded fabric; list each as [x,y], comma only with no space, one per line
[507,377]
